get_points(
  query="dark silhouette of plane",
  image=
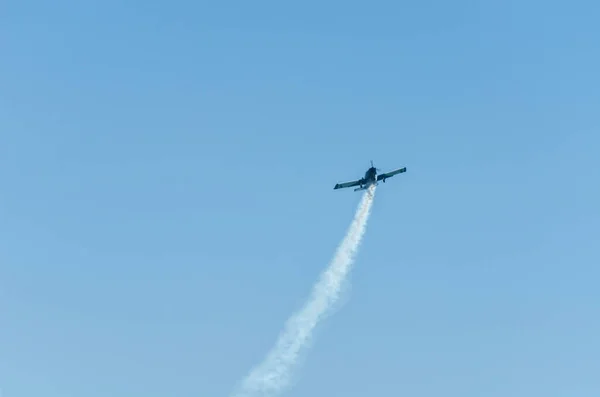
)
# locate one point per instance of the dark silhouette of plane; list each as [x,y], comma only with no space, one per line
[371,178]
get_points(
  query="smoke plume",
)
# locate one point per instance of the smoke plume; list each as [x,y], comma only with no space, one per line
[273,374]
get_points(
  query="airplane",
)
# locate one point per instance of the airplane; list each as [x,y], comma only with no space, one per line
[371,178]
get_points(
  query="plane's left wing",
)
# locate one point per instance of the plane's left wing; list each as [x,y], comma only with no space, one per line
[391,173]
[347,184]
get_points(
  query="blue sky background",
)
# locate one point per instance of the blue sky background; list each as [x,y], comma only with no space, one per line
[166,203]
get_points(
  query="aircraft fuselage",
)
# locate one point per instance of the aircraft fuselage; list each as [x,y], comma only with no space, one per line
[371,175]
[369,179]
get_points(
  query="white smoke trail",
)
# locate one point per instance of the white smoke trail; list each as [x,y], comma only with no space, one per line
[273,374]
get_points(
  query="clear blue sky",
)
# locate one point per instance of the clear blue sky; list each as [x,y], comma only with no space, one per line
[166,202]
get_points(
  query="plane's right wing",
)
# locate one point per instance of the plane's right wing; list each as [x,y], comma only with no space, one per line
[391,173]
[347,184]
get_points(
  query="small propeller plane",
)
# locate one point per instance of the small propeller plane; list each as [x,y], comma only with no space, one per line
[370,178]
